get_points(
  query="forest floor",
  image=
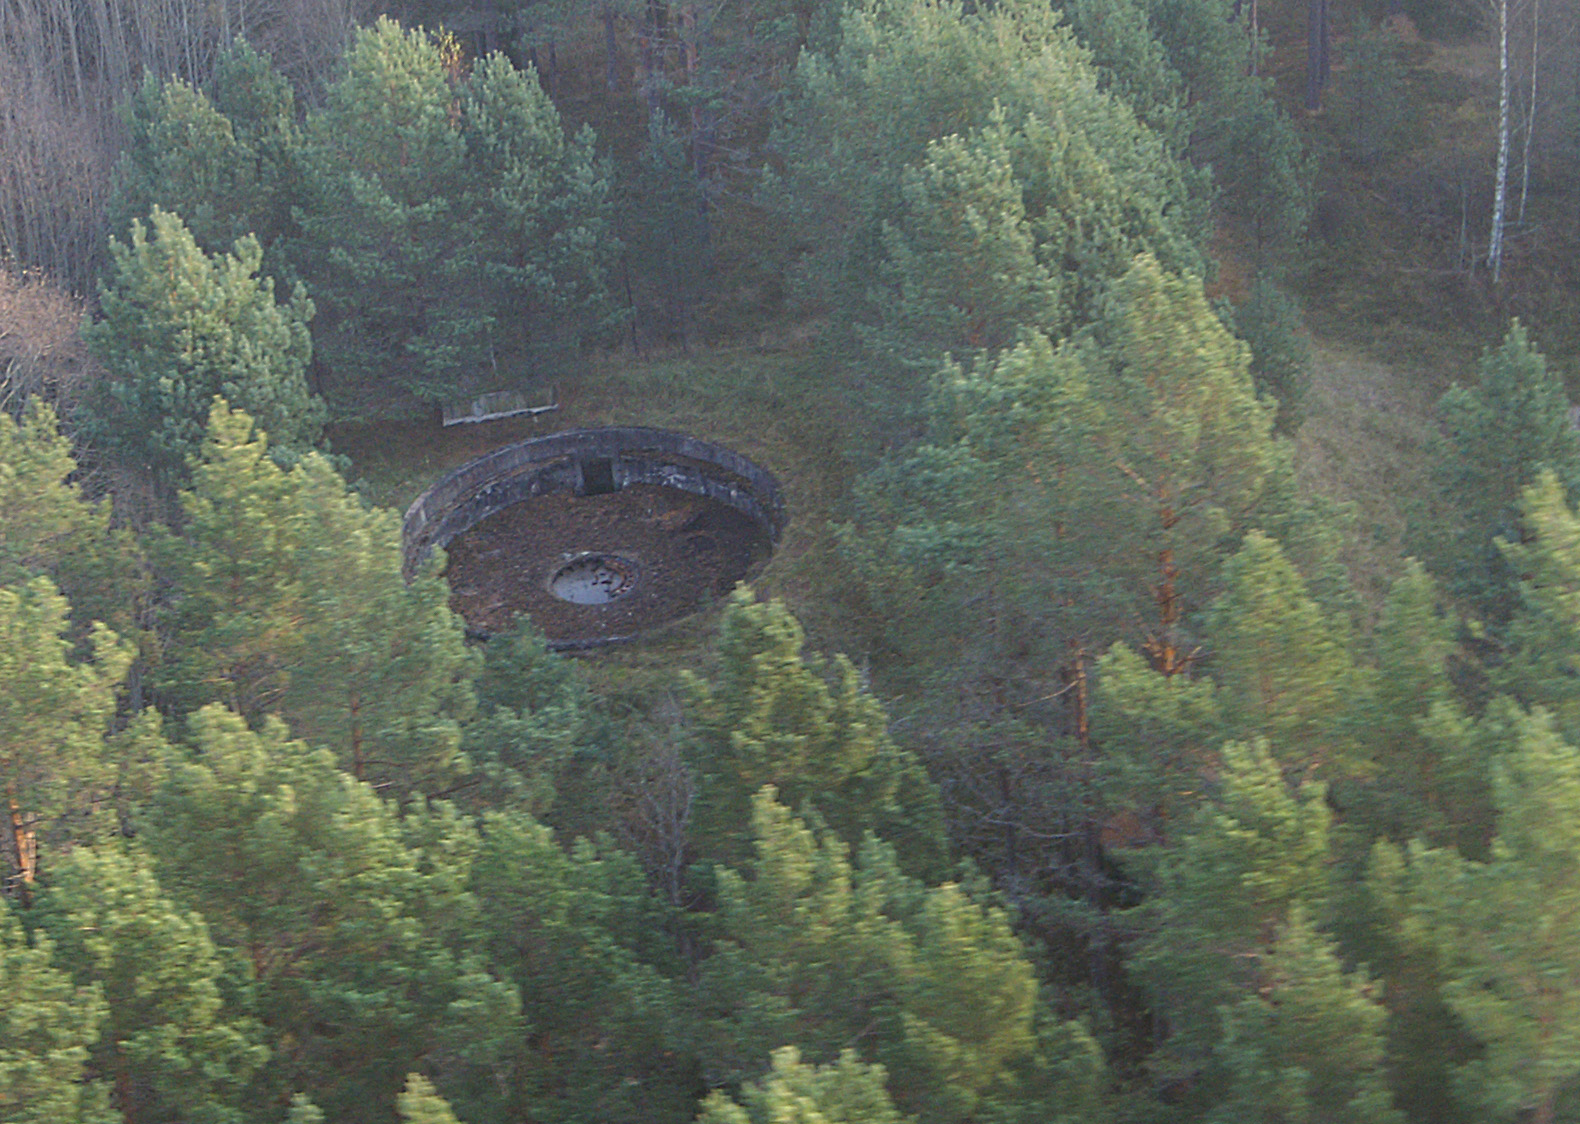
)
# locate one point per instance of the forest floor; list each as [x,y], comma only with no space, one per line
[1365,440]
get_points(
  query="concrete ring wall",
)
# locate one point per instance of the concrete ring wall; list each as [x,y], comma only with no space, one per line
[587,462]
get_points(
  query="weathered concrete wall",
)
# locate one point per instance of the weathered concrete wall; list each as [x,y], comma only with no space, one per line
[577,460]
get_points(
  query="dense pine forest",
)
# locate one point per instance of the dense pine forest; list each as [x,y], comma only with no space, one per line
[1163,705]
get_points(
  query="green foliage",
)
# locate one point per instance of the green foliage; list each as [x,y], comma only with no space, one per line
[1282,665]
[1220,897]
[664,225]
[47,1027]
[55,713]
[1097,186]
[1133,63]
[1077,495]
[48,527]
[420,1104]
[815,950]
[593,1026]
[1499,436]
[1545,633]
[347,914]
[1268,176]
[222,160]
[845,1092]
[445,225]
[774,716]
[1159,736]
[303,1111]
[1428,760]
[383,244]
[964,268]
[540,204]
[1308,1045]
[1187,69]
[1505,930]
[531,715]
[181,326]
[175,1053]
[1270,321]
[290,600]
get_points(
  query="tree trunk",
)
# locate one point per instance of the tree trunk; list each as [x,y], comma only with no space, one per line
[26,842]
[1317,63]
[610,55]
[490,26]
[1530,107]
[1500,188]
[652,56]
[356,737]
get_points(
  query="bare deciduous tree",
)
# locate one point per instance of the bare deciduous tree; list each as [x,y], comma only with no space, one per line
[41,354]
[66,64]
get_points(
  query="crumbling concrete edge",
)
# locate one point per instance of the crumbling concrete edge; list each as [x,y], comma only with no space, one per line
[607,458]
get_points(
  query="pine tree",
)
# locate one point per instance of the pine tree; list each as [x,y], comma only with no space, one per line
[291,601]
[545,201]
[1102,478]
[1283,667]
[774,716]
[233,628]
[819,951]
[352,918]
[383,675]
[221,158]
[1160,736]
[448,228]
[184,158]
[261,108]
[1506,930]
[1097,185]
[1500,435]
[1222,894]
[532,714]
[1308,1045]
[181,326]
[55,713]
[1428,760]
[965,270]
[1544,635]
[172,1049]
[47,1027]
[595,1026]
[48,527]
[664,226]
[1068,498]
[844,1092]
[381,242]
[419,1103]
[1270,320]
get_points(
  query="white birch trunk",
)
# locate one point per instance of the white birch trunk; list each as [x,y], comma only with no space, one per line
[1530,108]
[1500,190]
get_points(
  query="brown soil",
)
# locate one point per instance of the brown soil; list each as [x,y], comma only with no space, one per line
[689,550]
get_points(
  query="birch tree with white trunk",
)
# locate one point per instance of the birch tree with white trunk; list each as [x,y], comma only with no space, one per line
[1501,186]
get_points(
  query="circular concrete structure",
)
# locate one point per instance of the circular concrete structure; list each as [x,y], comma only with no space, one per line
[599,535]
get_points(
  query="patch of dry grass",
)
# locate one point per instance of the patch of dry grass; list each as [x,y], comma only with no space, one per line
[1366,441]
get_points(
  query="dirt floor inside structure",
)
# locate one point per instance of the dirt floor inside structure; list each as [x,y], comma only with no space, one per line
[688,551]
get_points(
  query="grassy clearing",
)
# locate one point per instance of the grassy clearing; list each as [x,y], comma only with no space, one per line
[1365,441]
[780,408]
